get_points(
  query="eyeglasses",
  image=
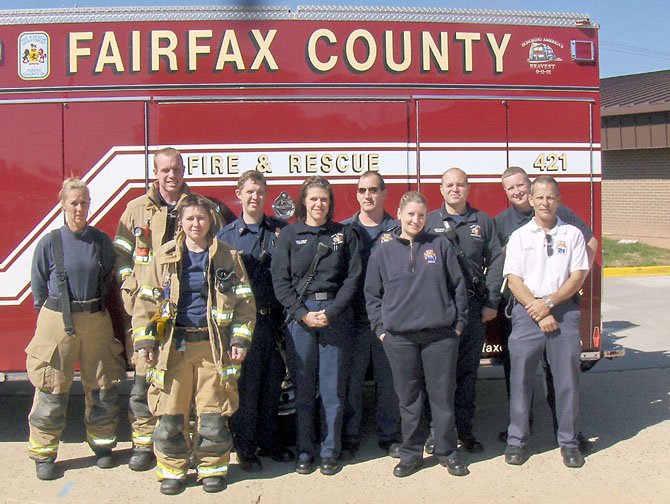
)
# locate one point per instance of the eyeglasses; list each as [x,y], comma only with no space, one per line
[371,190]
[550,242]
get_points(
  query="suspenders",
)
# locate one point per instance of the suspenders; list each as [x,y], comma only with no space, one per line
[57,246]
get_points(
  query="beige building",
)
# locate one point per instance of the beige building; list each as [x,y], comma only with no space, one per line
[635,111]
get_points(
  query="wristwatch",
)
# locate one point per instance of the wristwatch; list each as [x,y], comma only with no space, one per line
[548,302]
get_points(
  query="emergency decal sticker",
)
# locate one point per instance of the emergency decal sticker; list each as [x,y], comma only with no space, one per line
[561,248]
[338,239]
[34,51]
[430,256]
[542,55]
[386,237]
[476,231]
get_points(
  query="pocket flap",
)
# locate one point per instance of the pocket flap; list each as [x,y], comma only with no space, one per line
[42,350]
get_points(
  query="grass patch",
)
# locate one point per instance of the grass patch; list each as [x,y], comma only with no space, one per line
[618,255]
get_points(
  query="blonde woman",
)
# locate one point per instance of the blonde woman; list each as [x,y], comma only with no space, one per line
[71,272]
[417,304]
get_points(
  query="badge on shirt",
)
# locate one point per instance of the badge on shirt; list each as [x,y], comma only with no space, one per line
[430,256]
[386,237]
[476,231]
[338,239]
[561,247]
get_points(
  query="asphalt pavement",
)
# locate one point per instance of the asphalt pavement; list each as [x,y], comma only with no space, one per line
[625,413]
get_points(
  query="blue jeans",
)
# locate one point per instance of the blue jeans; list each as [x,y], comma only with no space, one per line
[320,365]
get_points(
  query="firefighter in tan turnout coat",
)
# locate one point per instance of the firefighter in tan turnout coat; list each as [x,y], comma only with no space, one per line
[147,223]
[193,319]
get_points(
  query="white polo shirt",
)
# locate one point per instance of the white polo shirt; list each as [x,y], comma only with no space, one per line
[544,269]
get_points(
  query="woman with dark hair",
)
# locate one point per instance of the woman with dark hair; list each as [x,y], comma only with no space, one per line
[417,304]
[316,268]
[192,321]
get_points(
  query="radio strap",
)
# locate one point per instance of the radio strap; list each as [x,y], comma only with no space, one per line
[57,248]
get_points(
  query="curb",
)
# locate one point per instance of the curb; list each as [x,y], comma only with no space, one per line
[637,271]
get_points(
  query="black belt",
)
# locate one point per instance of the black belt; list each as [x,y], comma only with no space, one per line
[91,306]
[321,296]
[192,334]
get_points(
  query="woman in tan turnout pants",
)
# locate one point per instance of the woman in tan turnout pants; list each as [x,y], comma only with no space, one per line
[192,321]
[71,271]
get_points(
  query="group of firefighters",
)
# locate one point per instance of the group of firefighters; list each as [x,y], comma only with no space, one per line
[219,313]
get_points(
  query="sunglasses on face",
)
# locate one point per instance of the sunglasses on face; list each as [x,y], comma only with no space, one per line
[550,242]
[371,190]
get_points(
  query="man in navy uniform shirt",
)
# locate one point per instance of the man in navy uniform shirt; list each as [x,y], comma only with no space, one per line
[254,425]
[371,222]
[473,232]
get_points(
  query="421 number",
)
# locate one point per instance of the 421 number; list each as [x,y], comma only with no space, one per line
[551,162]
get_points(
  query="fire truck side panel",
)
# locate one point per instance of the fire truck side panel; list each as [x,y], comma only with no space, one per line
[289,141]
[31,168]
[94,92]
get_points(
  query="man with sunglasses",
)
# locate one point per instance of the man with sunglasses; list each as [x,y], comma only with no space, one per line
[516,184]
[545,264]
[370,223]
[473,234]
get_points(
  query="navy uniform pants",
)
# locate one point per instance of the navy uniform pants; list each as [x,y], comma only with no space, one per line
[319,361]
[367,346]
[424,359]
[469,354]
[527,343]
[504,330]
[255,424]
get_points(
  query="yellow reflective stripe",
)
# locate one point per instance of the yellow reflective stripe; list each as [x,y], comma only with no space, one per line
[98,441]
[242,331]
[34,447]
[205,472]
[122,273]
[222,316]
[142,439]
[123,244]
[165,472]
[156,376]
[243,290]
[142,259]
[140,334]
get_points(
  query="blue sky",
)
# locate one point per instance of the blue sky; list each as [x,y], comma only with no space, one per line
[633,34]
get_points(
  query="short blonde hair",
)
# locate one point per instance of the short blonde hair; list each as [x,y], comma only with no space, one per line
[70,184]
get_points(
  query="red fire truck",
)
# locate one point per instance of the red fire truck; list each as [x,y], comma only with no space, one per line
[319,90]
